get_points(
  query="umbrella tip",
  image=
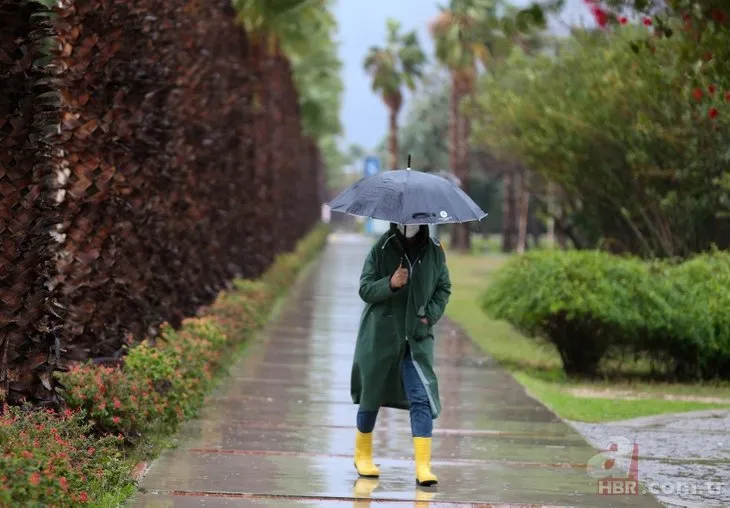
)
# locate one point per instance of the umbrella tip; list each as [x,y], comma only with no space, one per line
[409,161]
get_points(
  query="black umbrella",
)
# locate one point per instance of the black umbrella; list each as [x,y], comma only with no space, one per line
[406,196]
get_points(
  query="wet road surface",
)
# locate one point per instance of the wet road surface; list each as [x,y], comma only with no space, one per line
[684,459]
[280,430]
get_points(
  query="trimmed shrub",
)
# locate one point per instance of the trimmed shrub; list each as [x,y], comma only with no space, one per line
[68,459]
[701,349]
[48,459]
[590,303]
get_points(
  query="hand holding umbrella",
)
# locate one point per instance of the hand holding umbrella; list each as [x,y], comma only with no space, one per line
[399,277]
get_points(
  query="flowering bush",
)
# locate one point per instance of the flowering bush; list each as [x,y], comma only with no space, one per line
[634,145]
[48,459]
[68,460]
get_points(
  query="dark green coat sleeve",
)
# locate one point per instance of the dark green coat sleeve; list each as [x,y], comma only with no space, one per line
[374,286]
[440,298]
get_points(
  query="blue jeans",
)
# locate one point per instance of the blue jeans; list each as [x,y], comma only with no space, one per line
[420,408]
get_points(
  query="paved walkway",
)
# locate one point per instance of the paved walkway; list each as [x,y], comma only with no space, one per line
[280,430]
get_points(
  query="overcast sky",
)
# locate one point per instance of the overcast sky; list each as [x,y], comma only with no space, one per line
[362,25]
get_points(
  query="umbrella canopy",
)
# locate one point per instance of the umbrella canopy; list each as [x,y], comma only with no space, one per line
[406,196]
[449,176]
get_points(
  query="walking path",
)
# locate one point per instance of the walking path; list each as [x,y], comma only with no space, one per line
[280,430]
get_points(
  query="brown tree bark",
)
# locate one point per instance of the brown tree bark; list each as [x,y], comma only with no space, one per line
[523,207]
[393,138]
[459,153]
[509,216]
[454,124]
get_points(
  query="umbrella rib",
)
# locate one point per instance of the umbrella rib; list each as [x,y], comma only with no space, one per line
[377,204]
[405,193]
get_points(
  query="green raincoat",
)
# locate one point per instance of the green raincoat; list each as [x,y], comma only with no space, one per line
[392,317]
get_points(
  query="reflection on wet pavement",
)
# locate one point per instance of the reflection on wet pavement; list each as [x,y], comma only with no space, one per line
[280,430]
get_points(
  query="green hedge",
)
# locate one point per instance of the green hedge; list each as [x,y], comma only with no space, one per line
[74,458]
[591,303]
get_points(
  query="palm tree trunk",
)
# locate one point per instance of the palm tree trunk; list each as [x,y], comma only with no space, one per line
[509,219]
[393,138]
[460,232]
[523,207]
[454,124]
[464,132]
[551,218]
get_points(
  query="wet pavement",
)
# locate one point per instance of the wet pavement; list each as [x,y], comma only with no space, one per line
[684,459]
[280,430]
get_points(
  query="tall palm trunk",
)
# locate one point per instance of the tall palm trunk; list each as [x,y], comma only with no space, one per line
[509,221]
[393,138]
[551,217]
[457,148]
[454,123]
[463,164]
[523,209]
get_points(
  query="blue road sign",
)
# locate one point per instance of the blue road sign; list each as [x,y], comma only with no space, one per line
[372,165]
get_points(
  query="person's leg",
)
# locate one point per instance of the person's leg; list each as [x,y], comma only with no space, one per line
[421,421]
[366,420]
[364,443]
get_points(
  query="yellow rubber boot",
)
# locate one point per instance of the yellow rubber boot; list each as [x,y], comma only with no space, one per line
[364,455]
[422,448]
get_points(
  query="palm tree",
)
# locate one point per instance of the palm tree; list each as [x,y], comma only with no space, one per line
[400,62]
[468,33]
[460,45]
[290,40]
[302,31]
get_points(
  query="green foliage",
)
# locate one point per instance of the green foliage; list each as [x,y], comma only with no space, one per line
[49,459]
[637,156]
[426,126]
[399,63]
[590,304]
[468,32]
[317,75]
[306,32]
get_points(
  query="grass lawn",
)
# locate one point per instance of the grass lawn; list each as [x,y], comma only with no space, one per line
[536,365]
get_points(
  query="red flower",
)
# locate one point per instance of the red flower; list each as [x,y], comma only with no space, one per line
[35,478]
[708,56]
[712,89]
[63,482]
[83,497]
[91,450]
[117,403]
[647,22]
[116,419]
[697,94]
[27,454]
[623,20]
[719,16]
[600,16]
[727,96]
[712,113]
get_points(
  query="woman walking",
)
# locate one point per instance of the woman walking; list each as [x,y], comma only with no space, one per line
[405,285]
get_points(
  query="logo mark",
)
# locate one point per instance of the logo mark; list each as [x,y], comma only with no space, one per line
[616,467]
[443,214]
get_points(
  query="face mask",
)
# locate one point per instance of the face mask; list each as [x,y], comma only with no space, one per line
[408,231]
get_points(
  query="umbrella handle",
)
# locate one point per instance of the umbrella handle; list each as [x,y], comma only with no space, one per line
[409,161]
